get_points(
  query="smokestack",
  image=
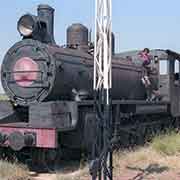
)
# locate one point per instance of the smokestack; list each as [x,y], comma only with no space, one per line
[46,13]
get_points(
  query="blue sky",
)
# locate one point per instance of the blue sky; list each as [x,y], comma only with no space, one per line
[136,23]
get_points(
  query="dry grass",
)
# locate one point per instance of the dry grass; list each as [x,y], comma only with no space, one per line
[3,97]
[168,144]
[158,160]
[144,157]
[9,171]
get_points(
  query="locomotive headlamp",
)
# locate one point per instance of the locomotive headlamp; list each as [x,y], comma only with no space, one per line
[27,25]
[38,27]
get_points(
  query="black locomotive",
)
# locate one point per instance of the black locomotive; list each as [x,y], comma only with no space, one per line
[50,107]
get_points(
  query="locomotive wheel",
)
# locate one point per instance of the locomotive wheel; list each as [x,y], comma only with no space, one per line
[43,160]
[68,153]
[70,145]
[8,154]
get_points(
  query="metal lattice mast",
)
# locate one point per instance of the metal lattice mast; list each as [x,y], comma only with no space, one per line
[102,86]
[103,47]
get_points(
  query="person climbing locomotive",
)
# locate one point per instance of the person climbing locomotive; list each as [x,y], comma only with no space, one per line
[146,61]
[145,56]
[146,80]
[151,86]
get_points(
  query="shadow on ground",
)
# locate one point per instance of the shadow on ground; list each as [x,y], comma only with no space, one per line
[68,167]
[144,172]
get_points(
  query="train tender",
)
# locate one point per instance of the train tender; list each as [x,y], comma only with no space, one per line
[50,107]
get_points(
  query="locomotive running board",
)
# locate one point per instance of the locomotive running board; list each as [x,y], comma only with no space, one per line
[144,107]
[139,106]
[128,102]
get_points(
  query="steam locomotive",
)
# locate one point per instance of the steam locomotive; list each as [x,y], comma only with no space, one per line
[50,107]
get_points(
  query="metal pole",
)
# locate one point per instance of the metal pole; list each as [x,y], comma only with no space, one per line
[103,78]
[103,48]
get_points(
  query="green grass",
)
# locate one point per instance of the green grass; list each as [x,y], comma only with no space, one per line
[168,144]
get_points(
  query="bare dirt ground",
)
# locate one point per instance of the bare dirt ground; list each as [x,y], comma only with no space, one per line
[128,175]
[44,177]
[146,164]
[143,164]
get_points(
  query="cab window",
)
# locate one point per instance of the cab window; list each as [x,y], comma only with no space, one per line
[163,67]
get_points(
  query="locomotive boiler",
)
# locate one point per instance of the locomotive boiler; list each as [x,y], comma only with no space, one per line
[50,88]
[35,71]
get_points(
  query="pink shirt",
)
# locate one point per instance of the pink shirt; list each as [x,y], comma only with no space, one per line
[144,56]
